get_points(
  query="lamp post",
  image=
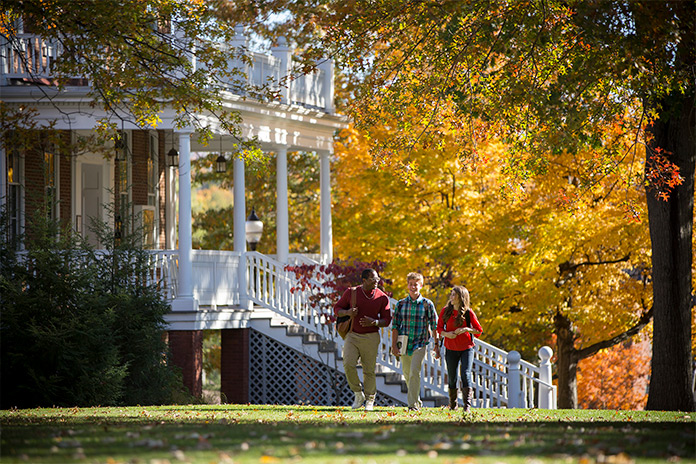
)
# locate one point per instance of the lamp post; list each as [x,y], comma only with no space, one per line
[254,229]
[173,157]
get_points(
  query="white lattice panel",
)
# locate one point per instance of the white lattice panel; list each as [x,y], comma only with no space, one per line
[281,375]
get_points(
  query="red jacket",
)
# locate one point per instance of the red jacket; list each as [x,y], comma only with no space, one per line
[463,341]
[376,307]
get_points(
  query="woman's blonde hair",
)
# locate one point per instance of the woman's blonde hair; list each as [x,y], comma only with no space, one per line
[463,295]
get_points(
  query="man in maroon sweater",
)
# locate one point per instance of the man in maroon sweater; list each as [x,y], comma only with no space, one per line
[371,312]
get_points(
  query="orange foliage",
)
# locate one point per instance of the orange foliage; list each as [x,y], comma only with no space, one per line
[615,378]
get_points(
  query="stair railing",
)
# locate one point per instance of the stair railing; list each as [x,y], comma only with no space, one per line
[501,379]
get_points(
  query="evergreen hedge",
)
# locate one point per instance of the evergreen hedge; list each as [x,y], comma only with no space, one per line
[80,326]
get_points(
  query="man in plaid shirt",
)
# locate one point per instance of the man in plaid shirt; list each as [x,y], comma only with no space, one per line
[414,316]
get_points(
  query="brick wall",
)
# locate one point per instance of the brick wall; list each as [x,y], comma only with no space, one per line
[34,182]
[186,348]
[234,365]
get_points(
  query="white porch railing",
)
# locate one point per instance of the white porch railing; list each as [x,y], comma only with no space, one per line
[29,56]
[501,379]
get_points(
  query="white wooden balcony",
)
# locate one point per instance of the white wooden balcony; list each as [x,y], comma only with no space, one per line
[29,59]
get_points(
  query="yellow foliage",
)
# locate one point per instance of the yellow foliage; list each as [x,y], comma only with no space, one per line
[561,241]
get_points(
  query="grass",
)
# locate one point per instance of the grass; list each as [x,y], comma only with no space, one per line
[274,434]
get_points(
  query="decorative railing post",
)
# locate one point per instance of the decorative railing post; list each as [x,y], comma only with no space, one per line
[513,380]
[284,53]
[545,377]
[327,87]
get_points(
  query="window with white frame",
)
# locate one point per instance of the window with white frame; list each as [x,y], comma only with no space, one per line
[123,186]
[14,193]
[149,217]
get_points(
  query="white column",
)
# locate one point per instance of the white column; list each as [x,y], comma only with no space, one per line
[239,239]
[326,234]
[184,298]
[282,241]
[239,205]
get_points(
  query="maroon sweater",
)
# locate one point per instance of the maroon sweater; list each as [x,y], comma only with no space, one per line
[376,307]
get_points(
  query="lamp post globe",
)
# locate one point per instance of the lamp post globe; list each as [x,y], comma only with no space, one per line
[254,229]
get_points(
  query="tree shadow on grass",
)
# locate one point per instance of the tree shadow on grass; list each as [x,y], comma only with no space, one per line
[248,433]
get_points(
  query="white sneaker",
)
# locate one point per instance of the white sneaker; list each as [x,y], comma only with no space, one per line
[359,400]
[370,405]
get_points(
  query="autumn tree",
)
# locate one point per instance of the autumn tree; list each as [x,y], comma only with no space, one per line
[544,262]
[608,381]
[139,58]
[551,75]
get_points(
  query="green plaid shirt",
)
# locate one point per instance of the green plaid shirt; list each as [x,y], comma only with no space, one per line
[413,318]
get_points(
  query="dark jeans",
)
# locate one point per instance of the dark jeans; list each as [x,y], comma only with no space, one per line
[453,359]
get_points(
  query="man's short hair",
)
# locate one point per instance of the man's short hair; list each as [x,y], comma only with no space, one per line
[414,276]
[367,273]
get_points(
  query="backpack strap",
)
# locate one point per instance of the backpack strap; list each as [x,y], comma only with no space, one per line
[353,303]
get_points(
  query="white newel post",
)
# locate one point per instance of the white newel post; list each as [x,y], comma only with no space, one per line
[514,390]
[184,299]
[327,86]
[545,375]
[239,239]
[282,234]
[283,53]
[326,234]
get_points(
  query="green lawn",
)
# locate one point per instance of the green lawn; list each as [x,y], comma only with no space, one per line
[266,434]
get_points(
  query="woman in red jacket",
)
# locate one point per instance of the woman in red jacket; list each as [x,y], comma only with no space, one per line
[458,325]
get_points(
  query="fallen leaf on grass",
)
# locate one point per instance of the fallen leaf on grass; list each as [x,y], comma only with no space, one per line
[203,444]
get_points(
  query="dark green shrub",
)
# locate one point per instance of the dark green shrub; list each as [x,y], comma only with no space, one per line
[80,327]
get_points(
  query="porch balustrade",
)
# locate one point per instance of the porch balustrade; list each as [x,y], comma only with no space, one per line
[30,58]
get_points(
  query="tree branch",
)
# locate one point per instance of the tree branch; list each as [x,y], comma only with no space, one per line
[592,349]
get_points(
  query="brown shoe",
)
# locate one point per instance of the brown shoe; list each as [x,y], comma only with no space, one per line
[453,403]
[468,394]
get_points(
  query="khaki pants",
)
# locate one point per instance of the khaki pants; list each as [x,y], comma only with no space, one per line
[363,347]
[411,367]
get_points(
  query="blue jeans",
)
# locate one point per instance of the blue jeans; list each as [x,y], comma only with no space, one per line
[453,359]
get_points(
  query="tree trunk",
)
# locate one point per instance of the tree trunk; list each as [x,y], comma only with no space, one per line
[566,363]
[671,224]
